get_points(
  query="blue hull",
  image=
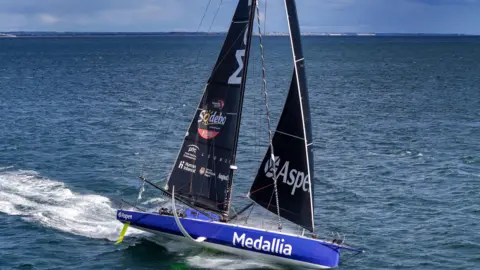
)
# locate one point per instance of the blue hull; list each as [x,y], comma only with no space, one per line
[270,245]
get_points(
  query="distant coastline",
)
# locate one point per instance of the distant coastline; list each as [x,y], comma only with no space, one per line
[141,34]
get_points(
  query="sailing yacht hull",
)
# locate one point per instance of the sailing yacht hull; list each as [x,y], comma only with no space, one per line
[270,246]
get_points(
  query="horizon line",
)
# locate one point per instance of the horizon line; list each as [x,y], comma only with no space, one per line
[224,32]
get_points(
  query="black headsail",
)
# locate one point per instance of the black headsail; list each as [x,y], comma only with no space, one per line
[292,147]
[203,172]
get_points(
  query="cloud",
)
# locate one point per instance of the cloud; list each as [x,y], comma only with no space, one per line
[447,2]
[48,19]
[100,15]
[439,16]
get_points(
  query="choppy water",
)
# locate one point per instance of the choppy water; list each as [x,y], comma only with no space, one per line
[396,126]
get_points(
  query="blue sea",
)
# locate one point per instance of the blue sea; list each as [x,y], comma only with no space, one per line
[396,124]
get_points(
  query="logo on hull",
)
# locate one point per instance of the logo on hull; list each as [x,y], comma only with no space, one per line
[124,216]
[277,246]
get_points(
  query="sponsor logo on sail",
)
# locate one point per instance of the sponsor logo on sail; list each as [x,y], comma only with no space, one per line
[211,120]
[290,176]
[206,172]
[191,152]
[276,246]
[183,165]
[218,104]
[124,216]
[236,77]
[223,177]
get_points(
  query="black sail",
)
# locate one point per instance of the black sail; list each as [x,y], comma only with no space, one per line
[292,147]
[202,174]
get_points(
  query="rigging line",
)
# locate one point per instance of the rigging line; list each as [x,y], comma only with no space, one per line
[265,18]
[184,62]
[241,211]
[228,51]
[198,55]
[272,155]
[180,199]
[255,113]
[203,17]
[142,170]
[163,117]
[249,213]
[208,31]
[164,137]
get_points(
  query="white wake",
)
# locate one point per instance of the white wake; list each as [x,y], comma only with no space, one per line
[52,204]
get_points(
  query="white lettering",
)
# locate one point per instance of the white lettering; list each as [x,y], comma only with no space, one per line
[266,246]
[206,172]
[289,176]
[222,177]
[234,78]
[191,153]
[249,242]
[187,166]
[275,246]
[211,118]
[237,239]
[287,250]
[257,244]
[124,216]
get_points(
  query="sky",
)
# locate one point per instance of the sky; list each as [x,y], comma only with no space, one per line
[381,16]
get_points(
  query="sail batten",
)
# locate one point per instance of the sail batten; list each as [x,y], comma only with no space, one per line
[202,173]
[292,164]
[288,134]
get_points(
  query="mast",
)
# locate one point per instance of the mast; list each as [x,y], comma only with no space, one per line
[248,41]
[203,171]
[292,145]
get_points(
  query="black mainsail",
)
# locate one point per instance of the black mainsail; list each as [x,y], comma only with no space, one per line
[292,147]
[203,172]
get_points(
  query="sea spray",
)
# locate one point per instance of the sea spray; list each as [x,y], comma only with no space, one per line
[52,204]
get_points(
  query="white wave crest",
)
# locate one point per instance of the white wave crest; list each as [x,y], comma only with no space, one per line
[52,204]
[211,261]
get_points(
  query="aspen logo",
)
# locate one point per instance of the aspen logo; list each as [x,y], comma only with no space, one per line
[124,216]
[222,177]
[287,175]
[277,246]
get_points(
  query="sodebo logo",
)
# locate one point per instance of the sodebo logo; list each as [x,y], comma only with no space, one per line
[291,177]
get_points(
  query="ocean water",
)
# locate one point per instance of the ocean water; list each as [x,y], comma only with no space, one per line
[397,146]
